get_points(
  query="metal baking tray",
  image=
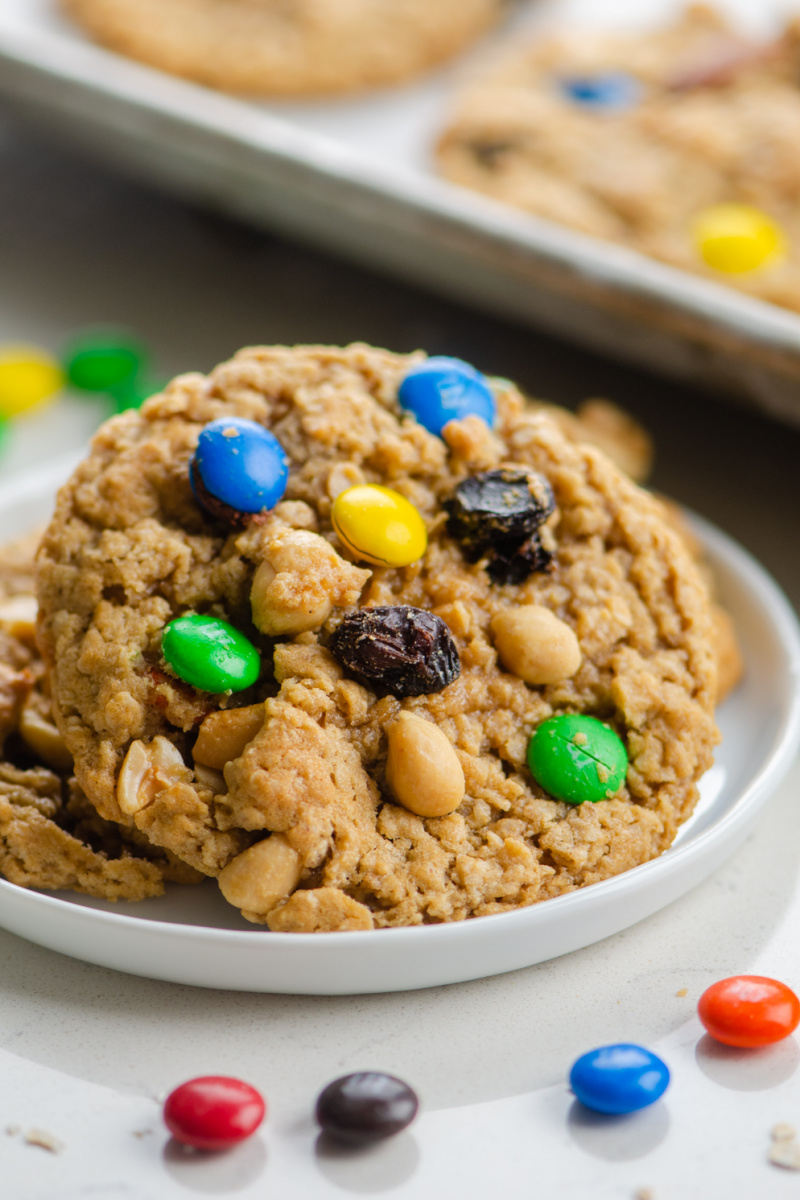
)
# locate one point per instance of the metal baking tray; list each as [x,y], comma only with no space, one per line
[356,177]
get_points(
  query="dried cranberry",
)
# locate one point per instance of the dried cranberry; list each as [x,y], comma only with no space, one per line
[496,515]
[213,1112]
[366,1107]
[403,650]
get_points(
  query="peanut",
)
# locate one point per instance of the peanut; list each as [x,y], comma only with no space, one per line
[422,768]
[18,616]
[44,739]
[260,877]
[300,580]
[224,735]
[536,645]
[147,770]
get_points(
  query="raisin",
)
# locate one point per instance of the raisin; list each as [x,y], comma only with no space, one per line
[496,515]
[398,649]
[506,504]
[512,562]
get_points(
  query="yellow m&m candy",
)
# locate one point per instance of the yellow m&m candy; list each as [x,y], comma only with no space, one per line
[735,238]
[378,525]
[27,377]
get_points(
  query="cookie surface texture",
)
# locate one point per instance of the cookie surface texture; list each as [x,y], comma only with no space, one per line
[713,123]
[302,754]
[288,47]
[51,837]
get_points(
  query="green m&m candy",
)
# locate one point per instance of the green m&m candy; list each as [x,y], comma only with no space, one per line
[210,654]
[101,364]
[577,758]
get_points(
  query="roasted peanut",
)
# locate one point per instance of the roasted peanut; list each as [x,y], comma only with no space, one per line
[147,770]
[44,739]
[224,735]
[535,644]
[18,617]
[261,876]
[300,580]
[207,777]
[422,768]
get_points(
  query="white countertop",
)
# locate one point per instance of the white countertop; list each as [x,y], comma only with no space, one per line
[85,1052]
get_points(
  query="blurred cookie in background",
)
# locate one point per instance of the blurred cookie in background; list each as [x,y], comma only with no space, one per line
[288,47]
[679,142]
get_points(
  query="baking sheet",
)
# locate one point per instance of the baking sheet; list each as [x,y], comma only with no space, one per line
[355,176]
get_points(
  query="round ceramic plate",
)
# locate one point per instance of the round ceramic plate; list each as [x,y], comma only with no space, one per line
[191,935]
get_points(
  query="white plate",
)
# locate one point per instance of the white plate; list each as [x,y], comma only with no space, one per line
[356,176]
[191,935]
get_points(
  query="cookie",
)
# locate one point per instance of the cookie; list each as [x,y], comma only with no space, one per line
[327,753]
[50,835]
[647,139]
[288,47]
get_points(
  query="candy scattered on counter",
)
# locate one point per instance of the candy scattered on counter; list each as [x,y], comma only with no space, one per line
[213,1112]
[210,654]
[93,363]
[366,1107]
[619,1079]
[577,758]
[749,1011]
[735,238]
[613,90]
[402,650]
[446,389]
[239,468]
[379,526]
[28,378]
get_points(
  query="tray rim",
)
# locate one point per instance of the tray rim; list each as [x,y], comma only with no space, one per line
[43,70]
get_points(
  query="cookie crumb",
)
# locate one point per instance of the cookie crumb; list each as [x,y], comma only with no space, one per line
[644,1193]
[140,1133]
[45,1139]
[783,1133]
[682,992]
[13,1130]
[785,1154]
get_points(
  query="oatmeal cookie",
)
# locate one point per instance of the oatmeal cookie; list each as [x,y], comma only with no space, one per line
[50,836]
[632,137]
[288,47]
[310,792]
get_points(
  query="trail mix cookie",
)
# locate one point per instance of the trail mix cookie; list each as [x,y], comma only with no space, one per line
[50,835]
[679,143]
[330,706]
[288,47]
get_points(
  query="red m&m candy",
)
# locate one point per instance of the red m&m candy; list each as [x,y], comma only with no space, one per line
[749,1010]
[213,1112]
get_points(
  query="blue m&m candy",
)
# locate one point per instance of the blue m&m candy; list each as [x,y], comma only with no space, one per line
[619,1079]
[446,389]
[238,467]
[608,89]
